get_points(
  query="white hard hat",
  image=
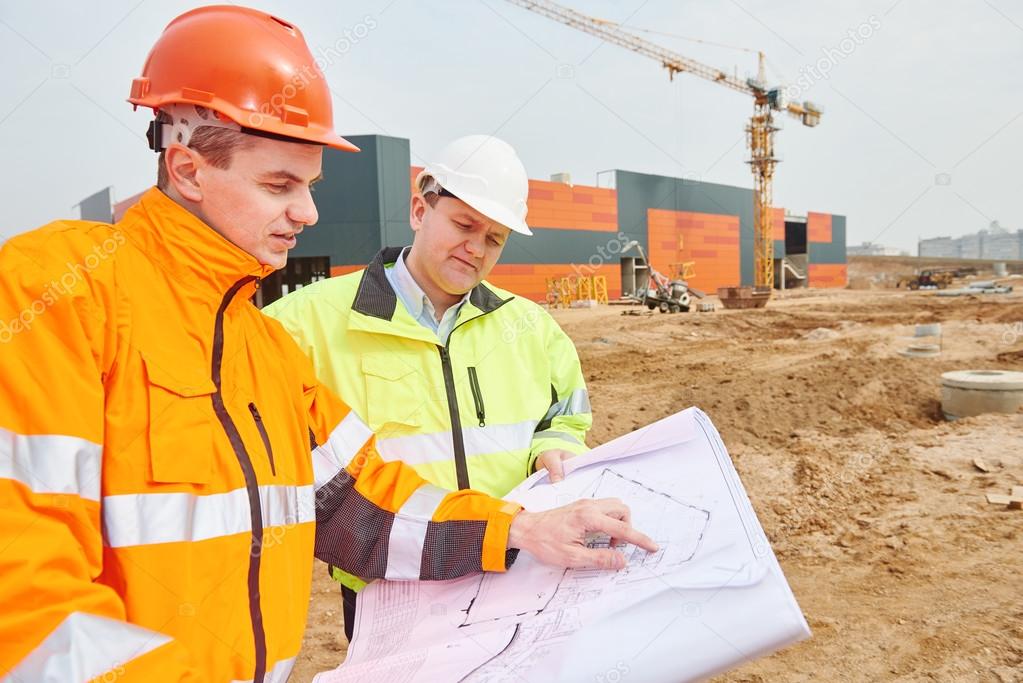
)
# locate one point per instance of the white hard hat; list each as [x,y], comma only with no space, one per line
[485,173]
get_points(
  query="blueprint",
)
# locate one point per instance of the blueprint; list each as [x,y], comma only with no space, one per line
[711,597]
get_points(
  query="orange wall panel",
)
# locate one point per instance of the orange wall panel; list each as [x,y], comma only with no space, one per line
[556,205]
[818,227]
[833,275]
[711,240]
[567,207]
[778,223]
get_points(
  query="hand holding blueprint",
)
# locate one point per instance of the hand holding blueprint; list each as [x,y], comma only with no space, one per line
[712,596]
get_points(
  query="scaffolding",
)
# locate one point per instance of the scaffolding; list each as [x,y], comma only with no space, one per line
[562,292]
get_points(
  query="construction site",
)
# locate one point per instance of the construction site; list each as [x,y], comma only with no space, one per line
[876,505]
[872,405]
[892,516]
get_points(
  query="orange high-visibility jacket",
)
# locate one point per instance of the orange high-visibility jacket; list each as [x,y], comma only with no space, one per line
[161,490]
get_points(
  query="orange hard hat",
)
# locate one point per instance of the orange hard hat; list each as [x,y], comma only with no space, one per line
[250,66]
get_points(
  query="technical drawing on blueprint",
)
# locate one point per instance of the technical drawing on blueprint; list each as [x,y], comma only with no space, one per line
[581,594]
[710,598]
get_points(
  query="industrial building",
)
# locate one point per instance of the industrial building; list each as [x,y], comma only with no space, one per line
[363,203]
[873,249]
[995,243]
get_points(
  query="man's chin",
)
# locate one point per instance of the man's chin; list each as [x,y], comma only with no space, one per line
[459,284]
[275,261]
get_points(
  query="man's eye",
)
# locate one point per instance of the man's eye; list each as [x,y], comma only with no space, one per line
[463,226]
[277,188]
[494,241]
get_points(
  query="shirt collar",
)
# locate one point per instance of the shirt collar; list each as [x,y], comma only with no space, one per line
[413,296]
[376,298]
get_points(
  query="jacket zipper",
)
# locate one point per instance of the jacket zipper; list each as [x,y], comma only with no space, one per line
[457,440]
[262,433]
[477,397]
[251,483]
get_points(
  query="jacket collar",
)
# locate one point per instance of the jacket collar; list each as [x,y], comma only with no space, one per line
[375,297]
[194,254]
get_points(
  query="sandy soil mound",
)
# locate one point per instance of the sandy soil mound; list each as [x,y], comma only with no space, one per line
[873,503]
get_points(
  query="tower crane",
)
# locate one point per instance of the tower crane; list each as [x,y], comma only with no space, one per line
[759,132]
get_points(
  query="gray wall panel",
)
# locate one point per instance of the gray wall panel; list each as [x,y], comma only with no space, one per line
[564,246]
[396,191]
[348,243]
[97,207]
[362,200]
[827,252]
[834,251]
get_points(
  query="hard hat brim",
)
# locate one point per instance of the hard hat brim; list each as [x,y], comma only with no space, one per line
[495,212]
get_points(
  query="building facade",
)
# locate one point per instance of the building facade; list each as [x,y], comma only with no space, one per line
[994,243]
[578,230]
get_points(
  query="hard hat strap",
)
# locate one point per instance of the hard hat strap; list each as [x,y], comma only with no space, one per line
[431,185]
[176,123]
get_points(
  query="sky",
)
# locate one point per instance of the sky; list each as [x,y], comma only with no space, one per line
[921,134]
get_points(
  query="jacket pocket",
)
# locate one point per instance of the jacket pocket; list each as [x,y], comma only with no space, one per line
[264,435]
[181,423]
[477,397]
[396,392]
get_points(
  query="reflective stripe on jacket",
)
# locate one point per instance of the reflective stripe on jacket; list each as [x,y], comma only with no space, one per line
[160,505]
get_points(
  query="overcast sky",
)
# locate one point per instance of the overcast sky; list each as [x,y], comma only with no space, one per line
[922,132]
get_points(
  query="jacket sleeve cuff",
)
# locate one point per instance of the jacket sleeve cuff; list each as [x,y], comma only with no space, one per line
[542,444]
[496,555]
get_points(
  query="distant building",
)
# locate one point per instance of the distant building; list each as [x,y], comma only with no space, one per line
[96,207]
[938,247]
[993,243]
[871,249]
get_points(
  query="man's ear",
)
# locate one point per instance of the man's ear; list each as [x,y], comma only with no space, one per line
[182,171]
[417,210]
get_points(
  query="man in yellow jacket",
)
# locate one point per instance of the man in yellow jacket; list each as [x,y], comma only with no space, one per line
[468,383]
[169,463]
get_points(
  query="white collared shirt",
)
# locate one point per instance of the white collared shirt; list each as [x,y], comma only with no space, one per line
[417,303]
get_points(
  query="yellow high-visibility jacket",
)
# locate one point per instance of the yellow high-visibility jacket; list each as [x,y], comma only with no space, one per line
[161,489]
[474,412]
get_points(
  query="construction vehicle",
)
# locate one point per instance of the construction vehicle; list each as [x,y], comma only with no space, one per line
[743,297]
[759,133]
[662,293]
[932,278]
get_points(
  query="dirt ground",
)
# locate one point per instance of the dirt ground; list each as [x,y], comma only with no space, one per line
[872,501]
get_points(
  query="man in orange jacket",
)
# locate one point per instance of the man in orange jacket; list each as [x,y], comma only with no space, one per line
[169,463]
